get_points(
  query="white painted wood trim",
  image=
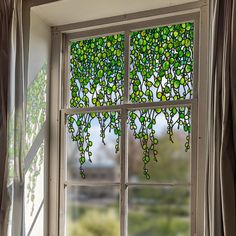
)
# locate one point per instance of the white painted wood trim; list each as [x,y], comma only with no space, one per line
[53,167]
[132,17]
[130,106]
[124,108]
[194,133]
[54,118]
[168,20]
[153,183]
[203,114]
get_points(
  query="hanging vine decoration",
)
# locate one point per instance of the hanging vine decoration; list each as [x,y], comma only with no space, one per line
[144,124]
[161,69]
[97,69]
[161,65]
[108,122]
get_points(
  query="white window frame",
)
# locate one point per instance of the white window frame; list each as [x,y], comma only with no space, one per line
[61,35]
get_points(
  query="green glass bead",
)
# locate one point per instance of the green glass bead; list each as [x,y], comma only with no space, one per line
[176,84]
[142,119]
[166,65]
[188,68]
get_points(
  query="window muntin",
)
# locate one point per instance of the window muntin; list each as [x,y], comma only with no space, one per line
[124,109]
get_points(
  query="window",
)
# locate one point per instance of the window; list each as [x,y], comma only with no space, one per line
[130,90]
[129,127]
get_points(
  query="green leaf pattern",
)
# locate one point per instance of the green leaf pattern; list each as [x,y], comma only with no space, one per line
[161,66]
[161,69]
[96,70]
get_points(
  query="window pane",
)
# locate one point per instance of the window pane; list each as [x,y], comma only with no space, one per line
[159,211]
[38,228]
[158,144]
[96,71]
[34,191]
[161,65]
[93,211]
[93,147]
[36,106]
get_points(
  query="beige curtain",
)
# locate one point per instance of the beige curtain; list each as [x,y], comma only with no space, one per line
[17,113]
[220,198]
[6,9]
[13,97]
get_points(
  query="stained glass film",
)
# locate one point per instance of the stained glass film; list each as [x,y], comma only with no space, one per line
[104,127]
[98,143]
[158,141]
[147,127]
[161,63]
[161,69]
[96,71]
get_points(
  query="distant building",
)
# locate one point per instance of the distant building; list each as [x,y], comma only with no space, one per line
[99,171]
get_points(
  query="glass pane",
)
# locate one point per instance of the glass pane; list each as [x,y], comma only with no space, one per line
[38,229]
[159,145]
[36,106]
[161,66]
[93,211]
[93,143]
[96,71]
[34,190]
[159,211]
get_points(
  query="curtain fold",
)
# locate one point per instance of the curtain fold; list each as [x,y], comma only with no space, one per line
[12,117]
[6,9]
[17,118]
[220,197]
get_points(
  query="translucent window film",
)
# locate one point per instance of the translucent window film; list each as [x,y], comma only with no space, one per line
[161,66]
[93,211]
[93,144]
[159,143]
[159,211]
[96,71]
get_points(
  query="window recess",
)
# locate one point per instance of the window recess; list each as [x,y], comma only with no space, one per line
[128,148]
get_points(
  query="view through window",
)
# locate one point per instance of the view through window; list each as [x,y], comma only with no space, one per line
[128,132]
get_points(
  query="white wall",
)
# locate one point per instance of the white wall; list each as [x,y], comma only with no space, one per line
[70,11]
[39,45]
[36,133]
